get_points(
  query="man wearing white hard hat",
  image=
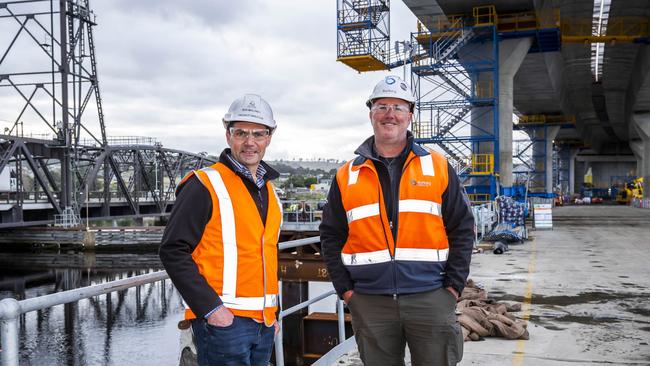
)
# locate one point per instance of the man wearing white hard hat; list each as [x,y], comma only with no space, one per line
[397,236]
[220,244]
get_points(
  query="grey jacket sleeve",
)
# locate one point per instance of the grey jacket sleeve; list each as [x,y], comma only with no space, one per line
[459,224]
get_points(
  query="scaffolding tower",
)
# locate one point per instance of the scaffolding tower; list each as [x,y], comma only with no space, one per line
[363,34]
[454,72]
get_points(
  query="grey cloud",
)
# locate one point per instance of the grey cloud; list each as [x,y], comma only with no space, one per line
[209,12]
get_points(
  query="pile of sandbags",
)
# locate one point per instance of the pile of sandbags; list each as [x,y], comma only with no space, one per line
[482,317]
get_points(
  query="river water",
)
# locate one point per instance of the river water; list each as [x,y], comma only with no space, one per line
[137,326]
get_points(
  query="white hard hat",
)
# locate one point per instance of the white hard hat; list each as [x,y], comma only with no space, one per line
[250,108]
[391,87]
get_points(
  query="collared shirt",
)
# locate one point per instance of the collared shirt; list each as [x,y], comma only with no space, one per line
[243,170]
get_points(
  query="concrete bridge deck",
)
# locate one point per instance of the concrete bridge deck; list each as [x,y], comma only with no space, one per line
[584,286]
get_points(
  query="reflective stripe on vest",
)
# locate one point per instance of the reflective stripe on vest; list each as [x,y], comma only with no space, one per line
[353,175]
[427,165]
[420,206]
[421,235]
[401,254]
[229,237]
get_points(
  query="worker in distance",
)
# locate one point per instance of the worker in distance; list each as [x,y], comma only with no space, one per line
[220,244]
[397,236]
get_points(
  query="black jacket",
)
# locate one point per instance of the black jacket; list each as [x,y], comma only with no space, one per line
[192,211]
[456,214]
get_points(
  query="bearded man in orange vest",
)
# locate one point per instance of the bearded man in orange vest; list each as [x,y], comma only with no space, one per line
[397,236]
[220,244]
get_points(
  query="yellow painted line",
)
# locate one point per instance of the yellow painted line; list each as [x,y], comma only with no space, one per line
[521,344]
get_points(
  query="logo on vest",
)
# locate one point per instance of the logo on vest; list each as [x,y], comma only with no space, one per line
[418,183]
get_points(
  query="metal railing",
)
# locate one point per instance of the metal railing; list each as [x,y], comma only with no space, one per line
[279,347]
[11,309]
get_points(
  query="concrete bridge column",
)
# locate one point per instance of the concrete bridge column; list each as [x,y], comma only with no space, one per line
[551,132]
[637,149]
[542,137]
[572,171]
[511,55]
[642,121]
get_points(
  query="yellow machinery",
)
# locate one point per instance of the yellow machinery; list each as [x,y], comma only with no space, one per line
[632,189]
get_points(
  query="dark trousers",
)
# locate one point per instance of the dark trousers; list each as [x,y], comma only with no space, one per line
[426,321]
[243,343]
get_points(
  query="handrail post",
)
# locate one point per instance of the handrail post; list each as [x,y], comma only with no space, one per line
[341,316]
[279,346]
[9,313]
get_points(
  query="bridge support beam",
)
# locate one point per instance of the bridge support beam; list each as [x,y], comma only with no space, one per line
[637,149]
[572,171]
[511,55]
[542,177]
[642,123]
[551,132]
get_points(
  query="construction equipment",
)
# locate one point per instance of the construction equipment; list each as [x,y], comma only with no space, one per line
[631,189]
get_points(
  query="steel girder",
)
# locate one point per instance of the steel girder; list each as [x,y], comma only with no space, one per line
[108,182]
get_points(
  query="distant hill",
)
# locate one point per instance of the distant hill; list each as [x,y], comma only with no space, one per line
[325,164]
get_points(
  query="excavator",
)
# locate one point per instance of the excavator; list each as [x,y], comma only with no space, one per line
[631,189]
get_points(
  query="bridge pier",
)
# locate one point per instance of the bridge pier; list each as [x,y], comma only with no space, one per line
[637,149]
[642,123]
[572,170]
[542,137]
[511,54]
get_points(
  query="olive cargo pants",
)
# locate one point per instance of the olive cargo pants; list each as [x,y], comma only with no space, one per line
[383,325]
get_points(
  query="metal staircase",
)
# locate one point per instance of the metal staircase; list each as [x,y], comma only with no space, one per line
[456,99]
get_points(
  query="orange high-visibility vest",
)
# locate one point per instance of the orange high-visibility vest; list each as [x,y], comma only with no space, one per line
[421,234]
[237,253]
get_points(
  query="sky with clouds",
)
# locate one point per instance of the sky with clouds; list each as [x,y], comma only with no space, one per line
[169,70]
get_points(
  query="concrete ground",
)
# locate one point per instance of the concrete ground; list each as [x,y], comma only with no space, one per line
[584,288]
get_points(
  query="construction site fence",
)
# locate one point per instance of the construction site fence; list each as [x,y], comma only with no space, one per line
[12,309]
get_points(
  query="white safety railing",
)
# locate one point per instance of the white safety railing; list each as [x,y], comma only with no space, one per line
[11,309]
[279,347]
[485,218]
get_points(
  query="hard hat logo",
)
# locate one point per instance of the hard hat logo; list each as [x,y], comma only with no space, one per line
[250,108]
[392,87]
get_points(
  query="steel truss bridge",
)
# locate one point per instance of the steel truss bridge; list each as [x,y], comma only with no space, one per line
[70,169]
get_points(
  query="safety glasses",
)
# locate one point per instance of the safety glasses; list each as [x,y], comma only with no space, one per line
[243,133]
[401,109]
